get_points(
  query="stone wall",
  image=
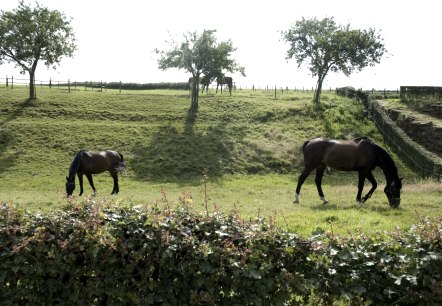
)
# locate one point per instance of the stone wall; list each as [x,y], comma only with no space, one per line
[417,156]
[424,133]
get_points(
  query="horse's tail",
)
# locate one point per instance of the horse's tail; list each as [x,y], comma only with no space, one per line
[122,164]
[304,145]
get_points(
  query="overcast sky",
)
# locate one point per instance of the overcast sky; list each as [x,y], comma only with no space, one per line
[116,39]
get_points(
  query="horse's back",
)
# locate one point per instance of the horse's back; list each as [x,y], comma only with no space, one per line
[95,162]
[345,155]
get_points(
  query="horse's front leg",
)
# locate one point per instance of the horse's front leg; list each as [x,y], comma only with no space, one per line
[80,180]
[91,182]
[318,180]
[361,182]
[374,185]
[116,188]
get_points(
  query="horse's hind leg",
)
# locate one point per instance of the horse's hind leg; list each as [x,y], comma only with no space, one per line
[305,173]
[91,182]
[318,180]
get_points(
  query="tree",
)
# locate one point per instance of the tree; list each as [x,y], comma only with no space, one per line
[326,46]
[199,54]
[29,35]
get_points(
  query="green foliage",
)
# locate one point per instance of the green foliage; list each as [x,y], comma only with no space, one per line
[327,47]
[401,268]
[199,54]
[29,35]
[91,253]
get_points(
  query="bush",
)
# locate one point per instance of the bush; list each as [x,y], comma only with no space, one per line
[92,253]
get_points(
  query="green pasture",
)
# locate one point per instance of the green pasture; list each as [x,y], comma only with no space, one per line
[248,142]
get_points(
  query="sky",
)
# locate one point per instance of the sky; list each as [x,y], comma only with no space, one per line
[116,40]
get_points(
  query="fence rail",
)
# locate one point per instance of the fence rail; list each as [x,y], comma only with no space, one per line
[11,81]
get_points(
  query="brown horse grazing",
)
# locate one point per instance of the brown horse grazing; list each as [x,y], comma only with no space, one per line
[361,155]
[224,80]
[90,162]
[205,81]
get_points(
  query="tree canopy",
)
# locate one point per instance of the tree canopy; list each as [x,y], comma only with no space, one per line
[325,46]
[199,54]
[32,34]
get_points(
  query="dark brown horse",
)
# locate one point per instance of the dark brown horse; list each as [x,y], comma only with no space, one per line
[224,81]
[91,162]
[361,155]
[205,81]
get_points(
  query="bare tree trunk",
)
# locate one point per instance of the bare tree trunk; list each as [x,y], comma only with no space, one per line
[32,89]
[317,98]
[32,94]
[195,95]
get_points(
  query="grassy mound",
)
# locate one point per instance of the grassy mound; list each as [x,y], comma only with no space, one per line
[248,142]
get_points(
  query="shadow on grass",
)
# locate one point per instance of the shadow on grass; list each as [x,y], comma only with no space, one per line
[373,208]
[177,155]
[6,137]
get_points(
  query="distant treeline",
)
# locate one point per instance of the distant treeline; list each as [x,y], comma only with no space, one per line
[119,85]
[412,93]
[11,81]
[128,86]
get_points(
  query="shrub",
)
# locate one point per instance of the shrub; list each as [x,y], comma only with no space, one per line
[92,253]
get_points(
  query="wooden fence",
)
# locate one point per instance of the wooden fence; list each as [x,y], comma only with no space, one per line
[11,81]
[428,93]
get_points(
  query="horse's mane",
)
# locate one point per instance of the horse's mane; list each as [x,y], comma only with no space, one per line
[385,158]
[75,165]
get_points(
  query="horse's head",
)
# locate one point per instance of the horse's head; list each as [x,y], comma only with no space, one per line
[393,193]
[70,186]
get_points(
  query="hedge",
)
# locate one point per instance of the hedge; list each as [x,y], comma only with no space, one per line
[92,253]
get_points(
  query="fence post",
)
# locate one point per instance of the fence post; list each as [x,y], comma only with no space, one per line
[69,85]
[275,92]
[6,81]
[120,86]
[12,82]
[50,83]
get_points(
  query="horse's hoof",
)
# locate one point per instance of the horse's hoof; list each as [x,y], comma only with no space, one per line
[324,201]
[295,202]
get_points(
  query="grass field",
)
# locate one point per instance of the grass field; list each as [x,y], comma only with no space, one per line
[249,142]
